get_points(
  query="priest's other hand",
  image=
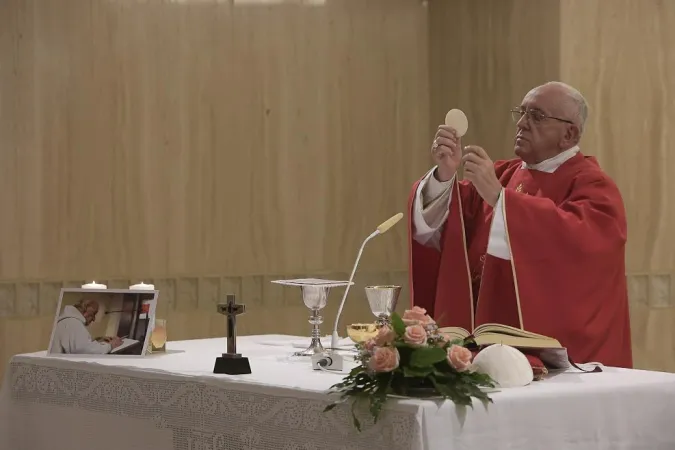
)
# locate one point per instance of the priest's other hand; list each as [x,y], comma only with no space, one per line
[446,151]
[115,342]
[480,170]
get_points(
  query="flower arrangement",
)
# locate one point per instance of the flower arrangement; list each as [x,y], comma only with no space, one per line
[411,358]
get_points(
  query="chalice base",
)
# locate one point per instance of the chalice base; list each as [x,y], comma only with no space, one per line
[314,347]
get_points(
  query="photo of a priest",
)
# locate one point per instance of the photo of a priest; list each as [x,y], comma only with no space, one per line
[71,334]
[536,242]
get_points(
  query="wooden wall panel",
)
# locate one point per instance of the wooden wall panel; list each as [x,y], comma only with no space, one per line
[204,145]
[619,54]
[484,56]
[155,138]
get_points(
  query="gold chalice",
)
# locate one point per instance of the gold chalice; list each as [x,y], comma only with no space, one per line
[361,332]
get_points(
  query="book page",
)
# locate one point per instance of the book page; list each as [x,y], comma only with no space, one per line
[506,329]
[455,332]
[515,341]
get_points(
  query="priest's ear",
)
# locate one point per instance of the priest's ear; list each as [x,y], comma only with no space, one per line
[572,136]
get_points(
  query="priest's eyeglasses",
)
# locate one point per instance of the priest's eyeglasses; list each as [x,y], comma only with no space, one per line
[534,115]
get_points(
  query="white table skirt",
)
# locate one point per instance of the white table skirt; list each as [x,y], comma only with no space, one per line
[174,401]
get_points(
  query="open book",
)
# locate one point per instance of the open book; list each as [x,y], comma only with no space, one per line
[126,342]
[493,333]
[549,350]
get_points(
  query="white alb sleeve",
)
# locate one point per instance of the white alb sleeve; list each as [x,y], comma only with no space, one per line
[430,209]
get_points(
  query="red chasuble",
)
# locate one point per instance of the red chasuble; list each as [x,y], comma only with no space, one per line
[566,278]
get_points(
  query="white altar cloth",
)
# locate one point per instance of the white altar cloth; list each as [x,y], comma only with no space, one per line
[174,401]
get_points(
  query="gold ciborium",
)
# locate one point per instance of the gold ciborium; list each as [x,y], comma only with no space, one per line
[158,336]
[361,332]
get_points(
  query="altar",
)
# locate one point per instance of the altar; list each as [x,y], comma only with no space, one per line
[174,401]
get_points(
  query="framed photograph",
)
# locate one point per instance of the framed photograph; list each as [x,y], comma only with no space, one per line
[103,322]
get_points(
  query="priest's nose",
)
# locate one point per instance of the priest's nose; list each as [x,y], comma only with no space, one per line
[523,122]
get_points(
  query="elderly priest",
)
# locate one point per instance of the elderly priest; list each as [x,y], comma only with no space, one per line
[536,242]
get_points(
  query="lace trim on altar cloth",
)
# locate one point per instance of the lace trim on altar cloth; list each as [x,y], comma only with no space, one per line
[203,416]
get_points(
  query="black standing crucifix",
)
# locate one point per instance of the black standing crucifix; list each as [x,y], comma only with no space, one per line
[231,363]
[231,310]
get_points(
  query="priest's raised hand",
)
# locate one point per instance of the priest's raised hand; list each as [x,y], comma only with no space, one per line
[480,171]
[535,242]
[446,151]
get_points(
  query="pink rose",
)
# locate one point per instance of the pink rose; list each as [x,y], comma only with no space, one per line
[459,357]
[384,359]
[417,316]
[370,345]
[385,336]
[415,335]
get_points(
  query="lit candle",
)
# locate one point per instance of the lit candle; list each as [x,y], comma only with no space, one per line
[94,285]
[142,287]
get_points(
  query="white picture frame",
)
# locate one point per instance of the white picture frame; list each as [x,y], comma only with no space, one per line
[128,314]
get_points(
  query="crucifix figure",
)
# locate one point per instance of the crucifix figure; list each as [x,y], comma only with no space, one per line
[231,309]
[231,363]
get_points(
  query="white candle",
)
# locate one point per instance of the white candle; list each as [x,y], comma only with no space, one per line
[142,287]
[94,285]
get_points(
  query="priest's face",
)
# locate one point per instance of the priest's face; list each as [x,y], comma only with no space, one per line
[545,125]
[90,312]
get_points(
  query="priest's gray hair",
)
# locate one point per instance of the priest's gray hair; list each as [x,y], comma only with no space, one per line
[577,100]
[85,303]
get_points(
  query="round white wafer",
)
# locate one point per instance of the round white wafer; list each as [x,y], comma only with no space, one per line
[456,119]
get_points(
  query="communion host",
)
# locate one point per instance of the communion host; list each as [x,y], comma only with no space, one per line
[536,242]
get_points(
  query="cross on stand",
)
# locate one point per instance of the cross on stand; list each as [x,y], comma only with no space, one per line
[231,363]
[231,309]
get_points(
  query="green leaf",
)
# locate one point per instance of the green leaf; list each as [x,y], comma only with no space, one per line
[376,403]
[356,370]
[397,324]
[454,392]
[404,352]
[416,372]
[442,368]
[355,420]
[427,356]
[379,398]
[469,342]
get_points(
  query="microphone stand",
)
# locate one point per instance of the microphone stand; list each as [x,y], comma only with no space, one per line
[335,338]
[382,228]
[332,360]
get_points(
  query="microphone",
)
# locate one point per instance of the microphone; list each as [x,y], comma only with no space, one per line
[382,228]
[390,222]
